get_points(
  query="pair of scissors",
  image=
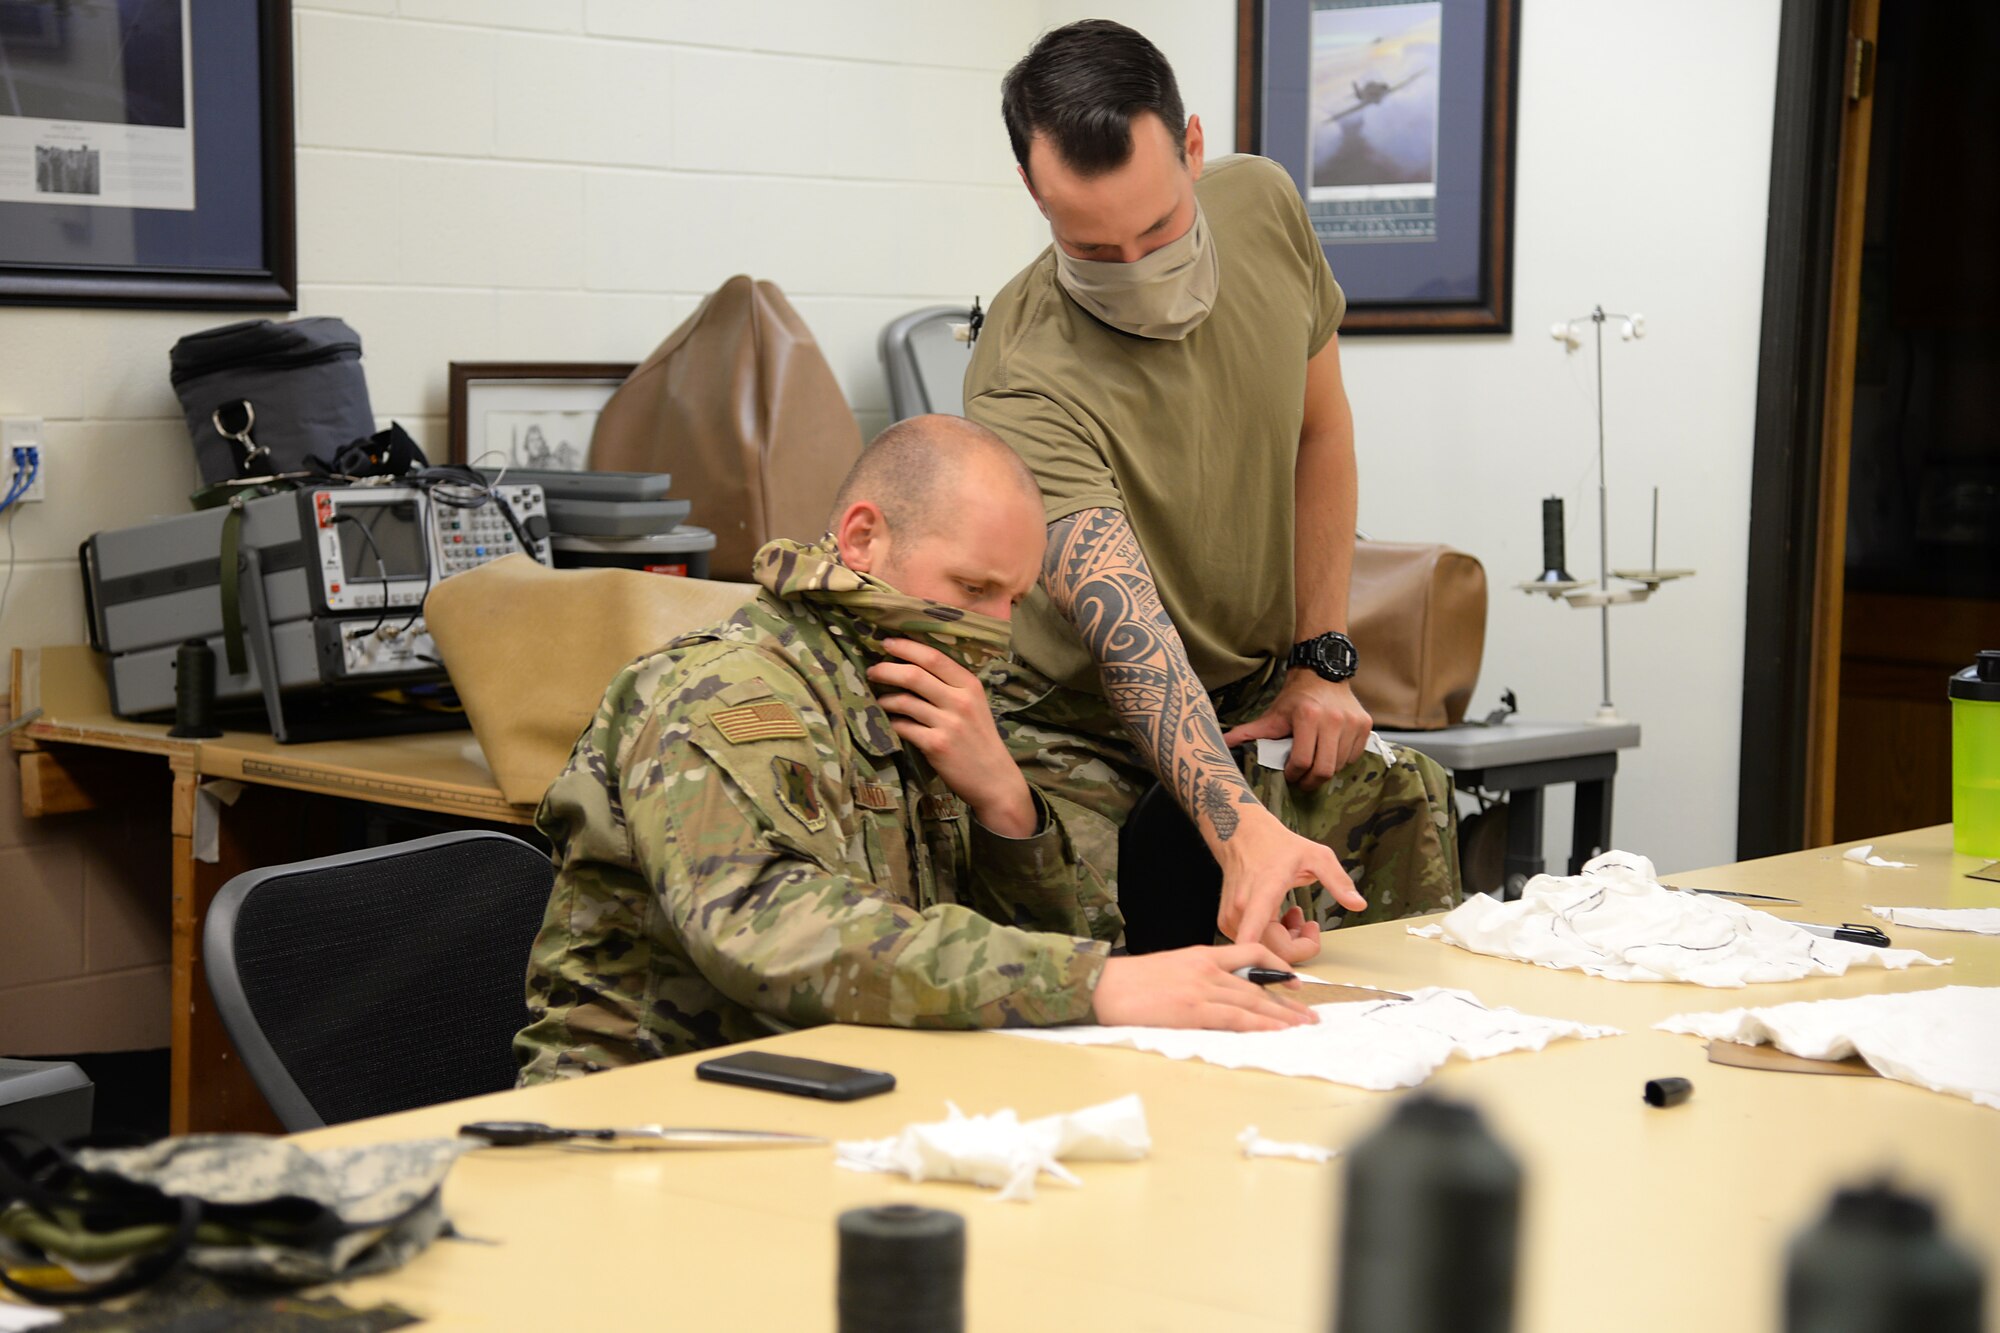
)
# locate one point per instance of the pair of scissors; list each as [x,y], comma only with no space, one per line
[514,1133]
[1734,893]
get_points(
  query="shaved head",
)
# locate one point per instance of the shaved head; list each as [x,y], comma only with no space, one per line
[921,472]
[939,507]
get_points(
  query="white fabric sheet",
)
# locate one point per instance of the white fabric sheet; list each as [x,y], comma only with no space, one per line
[1941,1039]
[1000,1151]
[1978,920]
[1368,1044]
[1615,920]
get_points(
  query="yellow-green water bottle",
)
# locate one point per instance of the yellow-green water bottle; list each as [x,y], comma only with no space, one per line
[1975,757]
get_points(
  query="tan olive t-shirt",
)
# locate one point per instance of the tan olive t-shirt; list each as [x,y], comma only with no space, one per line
[1194,440]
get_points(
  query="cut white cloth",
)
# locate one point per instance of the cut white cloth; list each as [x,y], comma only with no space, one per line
[1000,1151]
[1378,1045]
[1978,920]
[1277,753]
[1939,1039]
[1616,920]
[1865,855]
[1256,1145]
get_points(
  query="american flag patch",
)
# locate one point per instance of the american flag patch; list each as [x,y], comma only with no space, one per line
[757,722]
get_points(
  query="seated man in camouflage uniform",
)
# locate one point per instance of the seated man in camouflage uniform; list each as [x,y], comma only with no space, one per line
[748,838]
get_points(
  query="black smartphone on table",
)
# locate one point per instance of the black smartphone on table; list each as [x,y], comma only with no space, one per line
[801,1078]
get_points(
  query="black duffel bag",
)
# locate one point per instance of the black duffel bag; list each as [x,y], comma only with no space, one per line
[302,380]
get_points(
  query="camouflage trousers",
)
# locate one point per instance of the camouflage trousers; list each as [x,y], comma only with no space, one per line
[1392,823]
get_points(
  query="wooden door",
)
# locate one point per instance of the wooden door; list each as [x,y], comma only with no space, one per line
[1911,562]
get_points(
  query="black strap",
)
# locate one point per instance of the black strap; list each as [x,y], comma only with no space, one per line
[50,1180]
[37,1179]
[142,1271]
[232,607]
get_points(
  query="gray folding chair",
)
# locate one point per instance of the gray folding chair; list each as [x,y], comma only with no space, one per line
[380,980]
[50,1099]
[925,361]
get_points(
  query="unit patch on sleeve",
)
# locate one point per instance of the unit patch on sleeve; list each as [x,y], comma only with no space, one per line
[757,722]
[796,792]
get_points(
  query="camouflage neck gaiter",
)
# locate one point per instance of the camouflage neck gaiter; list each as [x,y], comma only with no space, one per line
[862,607]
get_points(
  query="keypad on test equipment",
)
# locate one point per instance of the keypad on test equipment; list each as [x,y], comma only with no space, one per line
[474,536]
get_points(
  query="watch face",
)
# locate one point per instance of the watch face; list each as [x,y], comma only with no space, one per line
[1336,655]
[1332,656]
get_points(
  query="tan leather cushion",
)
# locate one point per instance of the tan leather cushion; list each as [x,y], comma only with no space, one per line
[531,649]
[1417,615]
[740,405]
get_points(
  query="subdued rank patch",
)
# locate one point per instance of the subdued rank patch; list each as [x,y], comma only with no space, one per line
[797,794]
[757,722]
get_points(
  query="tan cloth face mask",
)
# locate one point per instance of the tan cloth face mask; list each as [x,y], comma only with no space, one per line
[1164,295]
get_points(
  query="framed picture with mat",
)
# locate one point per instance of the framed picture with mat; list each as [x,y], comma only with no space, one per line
[1396,120]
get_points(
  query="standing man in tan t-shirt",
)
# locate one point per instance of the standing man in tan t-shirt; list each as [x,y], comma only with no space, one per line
[1169,369]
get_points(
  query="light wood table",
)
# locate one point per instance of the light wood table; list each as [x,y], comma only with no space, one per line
[1636,1219]
[78,755]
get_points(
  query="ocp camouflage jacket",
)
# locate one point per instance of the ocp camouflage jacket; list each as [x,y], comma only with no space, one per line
[743,845]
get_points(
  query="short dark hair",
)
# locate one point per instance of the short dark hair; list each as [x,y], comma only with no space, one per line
[912,471]
[1081,85]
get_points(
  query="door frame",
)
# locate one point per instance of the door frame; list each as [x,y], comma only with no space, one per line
[1791,649]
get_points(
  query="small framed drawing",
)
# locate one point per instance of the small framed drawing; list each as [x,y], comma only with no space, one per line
[535,414]
[1396,120]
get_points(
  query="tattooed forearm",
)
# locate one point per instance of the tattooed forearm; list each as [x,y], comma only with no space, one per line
[1097,576]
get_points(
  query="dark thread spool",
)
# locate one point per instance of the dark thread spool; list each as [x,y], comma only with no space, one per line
[1877,1263]
[194,691]
[1664,1092]
[1430,1228]
[1554,562]
[902,1270]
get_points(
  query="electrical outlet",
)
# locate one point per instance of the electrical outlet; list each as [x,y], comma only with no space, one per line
[23,433]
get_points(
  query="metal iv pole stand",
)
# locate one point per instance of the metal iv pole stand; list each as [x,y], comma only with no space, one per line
[1554,583]
[1606,713]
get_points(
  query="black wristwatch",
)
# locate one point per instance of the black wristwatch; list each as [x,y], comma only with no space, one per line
[1331,656]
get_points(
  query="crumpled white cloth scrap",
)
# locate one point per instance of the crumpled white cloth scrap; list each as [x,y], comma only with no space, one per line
[1978,920]
[1939,1039]
[1616,920]
[1000,1151]
[1368,1044]
[1256,1145]
[1865,855]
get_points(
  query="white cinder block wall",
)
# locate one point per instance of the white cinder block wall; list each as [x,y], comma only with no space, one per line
[564,179]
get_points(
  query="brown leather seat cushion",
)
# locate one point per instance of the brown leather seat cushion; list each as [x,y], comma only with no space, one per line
[530,650]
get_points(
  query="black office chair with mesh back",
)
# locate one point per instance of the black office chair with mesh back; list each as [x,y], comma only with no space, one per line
[381,980]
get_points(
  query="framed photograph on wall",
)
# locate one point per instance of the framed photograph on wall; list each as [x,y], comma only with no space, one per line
[533,414]
[1396,120]
[146,154]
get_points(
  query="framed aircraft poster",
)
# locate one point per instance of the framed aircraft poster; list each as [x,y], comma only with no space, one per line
[1396,120]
